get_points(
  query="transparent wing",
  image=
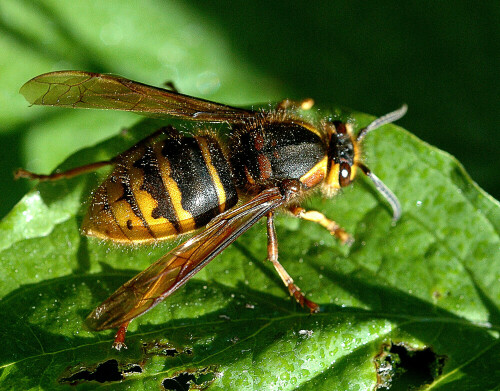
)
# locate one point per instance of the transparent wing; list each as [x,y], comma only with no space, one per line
[79,89]
[170,272]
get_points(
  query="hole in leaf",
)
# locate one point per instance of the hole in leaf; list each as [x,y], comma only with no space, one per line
[108,371]
[400,367]
[133,369]
[185,381]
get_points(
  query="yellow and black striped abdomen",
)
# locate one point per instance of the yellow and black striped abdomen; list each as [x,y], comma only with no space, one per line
[162,189]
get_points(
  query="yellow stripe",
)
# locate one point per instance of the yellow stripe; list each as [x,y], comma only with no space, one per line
[219,188]
[321,166]
[310,127]
[350,131]
[160,228]
[183,216]
[333,177]
[357,152]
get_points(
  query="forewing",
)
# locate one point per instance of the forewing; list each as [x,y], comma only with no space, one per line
[166,275]
[79,89]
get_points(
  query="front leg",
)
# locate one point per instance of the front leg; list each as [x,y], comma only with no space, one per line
[321,219]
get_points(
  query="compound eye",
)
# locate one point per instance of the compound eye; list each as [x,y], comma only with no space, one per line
[344,174]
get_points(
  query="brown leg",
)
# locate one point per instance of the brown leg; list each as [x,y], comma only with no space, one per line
[321,219]
[119,341]
[22,173]
[272,255]
[304,104]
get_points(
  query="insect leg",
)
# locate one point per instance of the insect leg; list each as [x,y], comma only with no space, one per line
[321,219]
[119,341]
[272,255]
[22,173]
[304,104]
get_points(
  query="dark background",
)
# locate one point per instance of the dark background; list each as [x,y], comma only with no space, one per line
[439,57]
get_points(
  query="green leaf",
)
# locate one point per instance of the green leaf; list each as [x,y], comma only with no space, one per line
[429,281]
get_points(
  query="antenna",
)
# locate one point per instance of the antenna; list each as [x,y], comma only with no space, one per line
[385,119]
[385,191]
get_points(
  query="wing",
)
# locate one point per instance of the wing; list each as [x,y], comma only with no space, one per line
[170,272]
[79,89]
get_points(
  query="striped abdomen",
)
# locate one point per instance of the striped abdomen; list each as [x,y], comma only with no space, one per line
[162,189]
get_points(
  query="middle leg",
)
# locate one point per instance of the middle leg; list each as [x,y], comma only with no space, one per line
[272,255]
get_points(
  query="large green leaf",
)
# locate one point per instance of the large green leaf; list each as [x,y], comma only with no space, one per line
[428,283]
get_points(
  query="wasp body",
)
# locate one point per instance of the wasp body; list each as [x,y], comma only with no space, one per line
[169,183]
[162,188]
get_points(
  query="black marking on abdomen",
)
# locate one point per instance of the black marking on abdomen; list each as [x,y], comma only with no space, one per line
[128,196]
[221,165]
[189,171]
[107,208]
[153,184]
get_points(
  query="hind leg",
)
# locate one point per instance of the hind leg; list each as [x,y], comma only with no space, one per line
[22,173]
[72,172]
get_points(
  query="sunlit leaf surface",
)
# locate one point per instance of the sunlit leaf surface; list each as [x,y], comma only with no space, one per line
[430,281]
